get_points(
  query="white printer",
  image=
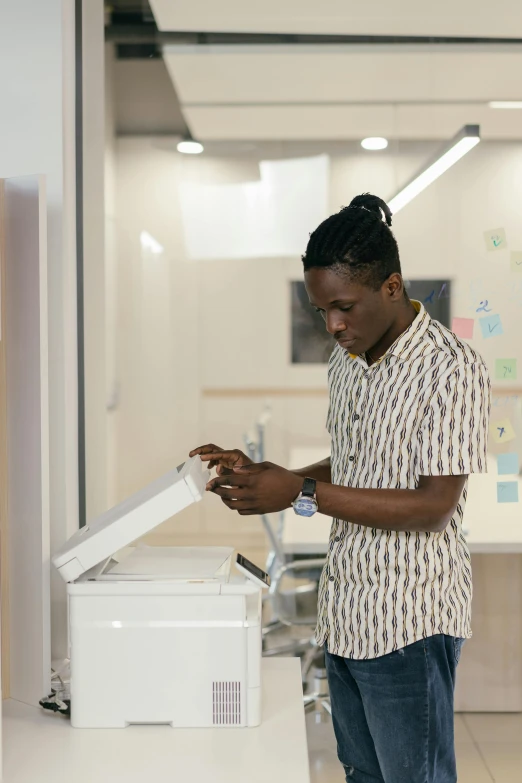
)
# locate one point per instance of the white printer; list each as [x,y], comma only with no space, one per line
[160,635]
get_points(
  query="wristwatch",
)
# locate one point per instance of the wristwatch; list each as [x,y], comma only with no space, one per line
[305,504]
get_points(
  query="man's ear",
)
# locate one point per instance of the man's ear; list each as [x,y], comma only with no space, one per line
[394,287]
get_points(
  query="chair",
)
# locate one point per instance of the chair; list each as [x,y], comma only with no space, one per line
[295,608]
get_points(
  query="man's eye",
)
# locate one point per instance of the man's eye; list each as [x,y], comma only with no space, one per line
[345,309]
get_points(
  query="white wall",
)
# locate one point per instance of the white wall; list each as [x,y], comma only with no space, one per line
[189,331]
[186,329]
[37,136]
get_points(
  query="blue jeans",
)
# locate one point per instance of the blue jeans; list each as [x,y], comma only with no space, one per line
[393,715]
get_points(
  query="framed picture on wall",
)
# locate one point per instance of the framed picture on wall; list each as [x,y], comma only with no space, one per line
[311,343]
[435,295]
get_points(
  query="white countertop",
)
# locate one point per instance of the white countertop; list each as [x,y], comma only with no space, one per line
[303,536]
[40,746]
[489,526]
[307,539]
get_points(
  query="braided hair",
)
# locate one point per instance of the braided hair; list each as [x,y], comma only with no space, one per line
[358,241]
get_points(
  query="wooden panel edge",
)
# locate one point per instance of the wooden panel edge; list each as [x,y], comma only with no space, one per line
[273,392]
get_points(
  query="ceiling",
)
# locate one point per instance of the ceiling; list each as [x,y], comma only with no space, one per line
[467,18]
[145,102]
[333,92]
[264,71]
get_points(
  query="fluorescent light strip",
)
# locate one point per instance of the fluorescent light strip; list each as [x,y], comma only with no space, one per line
[505,104]
[432,172]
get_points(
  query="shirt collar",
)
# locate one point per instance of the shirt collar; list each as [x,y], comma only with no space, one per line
[409,339]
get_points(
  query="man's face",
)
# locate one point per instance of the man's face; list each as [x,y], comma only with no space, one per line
[356,315]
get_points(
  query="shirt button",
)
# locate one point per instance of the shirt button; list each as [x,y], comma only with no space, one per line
[352,459]
[337,538]
[332,579]
[356,417]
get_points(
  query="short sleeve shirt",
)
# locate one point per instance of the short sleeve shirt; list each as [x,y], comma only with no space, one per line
[422,410]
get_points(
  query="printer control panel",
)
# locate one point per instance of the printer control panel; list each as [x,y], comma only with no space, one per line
[253,572]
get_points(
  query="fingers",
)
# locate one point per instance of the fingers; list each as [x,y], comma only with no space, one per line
[208,449]
[243,507]
[232,493]
[219,456]
[220,469]
[232,480]
[257,467]
[227,459]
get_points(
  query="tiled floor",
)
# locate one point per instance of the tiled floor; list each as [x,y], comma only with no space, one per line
[488,745]
[489,749]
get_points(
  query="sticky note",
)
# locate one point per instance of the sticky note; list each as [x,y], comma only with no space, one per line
[507,491]
[491,326]
[463,327]
[506,369]
[502,431]
[516,262]
[508,464]
[495,239]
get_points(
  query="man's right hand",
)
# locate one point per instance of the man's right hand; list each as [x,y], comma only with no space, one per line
[223,461]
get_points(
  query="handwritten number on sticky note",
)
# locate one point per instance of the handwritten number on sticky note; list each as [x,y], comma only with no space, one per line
[491,326]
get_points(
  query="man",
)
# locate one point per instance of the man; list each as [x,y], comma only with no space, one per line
[408,419]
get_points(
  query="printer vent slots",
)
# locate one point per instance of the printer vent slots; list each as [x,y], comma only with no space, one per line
[226,703]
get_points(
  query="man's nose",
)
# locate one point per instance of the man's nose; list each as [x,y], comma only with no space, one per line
[334,325]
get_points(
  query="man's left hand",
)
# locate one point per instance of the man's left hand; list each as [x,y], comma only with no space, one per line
[262,488]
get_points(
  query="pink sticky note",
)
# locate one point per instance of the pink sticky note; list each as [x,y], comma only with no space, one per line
[463,327]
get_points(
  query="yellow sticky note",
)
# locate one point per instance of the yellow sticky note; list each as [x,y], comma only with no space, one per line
[495,239]
[502,431]
[516,262]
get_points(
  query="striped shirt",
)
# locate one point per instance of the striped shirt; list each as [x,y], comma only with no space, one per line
[422,410]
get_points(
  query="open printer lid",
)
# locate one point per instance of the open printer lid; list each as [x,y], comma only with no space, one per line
[133,518]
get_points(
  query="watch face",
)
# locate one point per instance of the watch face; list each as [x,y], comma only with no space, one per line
[305,507]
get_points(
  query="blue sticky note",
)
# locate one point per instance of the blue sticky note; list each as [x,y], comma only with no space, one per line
[507,491]
[491,326]
[508,463]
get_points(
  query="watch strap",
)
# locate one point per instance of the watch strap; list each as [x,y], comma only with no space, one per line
[309,487]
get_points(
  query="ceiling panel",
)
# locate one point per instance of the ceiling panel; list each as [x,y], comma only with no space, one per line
[268,74]
[465,18]
[144,99]
[345,93]
[420,121]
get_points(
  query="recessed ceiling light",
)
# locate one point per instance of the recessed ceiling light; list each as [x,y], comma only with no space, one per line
[190,147]
[505,104]
[374,143]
